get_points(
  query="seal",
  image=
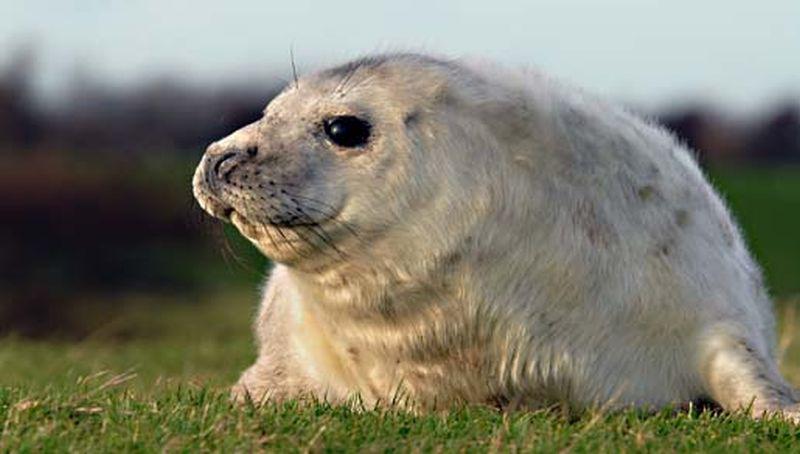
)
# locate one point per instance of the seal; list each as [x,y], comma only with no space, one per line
[447,231]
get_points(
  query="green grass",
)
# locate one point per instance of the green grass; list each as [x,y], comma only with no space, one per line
[88,418]
[155,377]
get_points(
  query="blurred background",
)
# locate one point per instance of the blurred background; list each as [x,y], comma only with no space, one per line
[106,107]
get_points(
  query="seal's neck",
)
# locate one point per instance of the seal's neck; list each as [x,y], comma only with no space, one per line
[379,288]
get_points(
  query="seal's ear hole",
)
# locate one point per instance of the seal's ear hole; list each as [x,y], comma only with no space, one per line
[347,131]
[411,119]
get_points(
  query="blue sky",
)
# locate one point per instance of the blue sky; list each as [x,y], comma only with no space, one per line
[737,54]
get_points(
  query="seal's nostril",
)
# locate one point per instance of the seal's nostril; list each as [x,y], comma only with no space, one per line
[252,151]
[219,162]
[224,165]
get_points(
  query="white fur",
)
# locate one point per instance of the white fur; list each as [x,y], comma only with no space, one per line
[509,239]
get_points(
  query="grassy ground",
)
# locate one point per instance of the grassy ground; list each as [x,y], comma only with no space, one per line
[155,377]
[167,388]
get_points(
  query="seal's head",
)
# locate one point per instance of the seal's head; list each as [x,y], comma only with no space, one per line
[342,156]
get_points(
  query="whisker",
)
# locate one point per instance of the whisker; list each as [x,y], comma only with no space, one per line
[317,230]
[269,235]
[294,67]
[289,242]
[327,214]
[345,80]
[308,241]
[229,253]
[359,83]
[320,230]
[313,244]
[320,202]
[343,224]
[300,213]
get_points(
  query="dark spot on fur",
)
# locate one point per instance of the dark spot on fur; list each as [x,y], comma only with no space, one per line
[747,347]
[646,192]
[727,233]
[665,248]
[682,218]
[411,118]
[452,260]
[598,230]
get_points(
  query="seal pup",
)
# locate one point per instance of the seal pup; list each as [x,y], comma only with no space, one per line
[453,232]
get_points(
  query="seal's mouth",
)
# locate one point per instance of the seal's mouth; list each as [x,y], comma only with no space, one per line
[282,231]
[211,204]
[221,210]
[248,229]
[227,214]
[285,224]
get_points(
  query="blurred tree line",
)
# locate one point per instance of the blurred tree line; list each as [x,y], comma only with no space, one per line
[171,116]
[96,202]
[95,196]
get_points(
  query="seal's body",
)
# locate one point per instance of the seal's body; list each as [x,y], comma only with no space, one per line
[447,232]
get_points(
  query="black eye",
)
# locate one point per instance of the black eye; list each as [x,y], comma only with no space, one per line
[348,131]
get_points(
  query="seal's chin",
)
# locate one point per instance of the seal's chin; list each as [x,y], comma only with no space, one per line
[291,244]
[252,231]
[281,244]
[211,205]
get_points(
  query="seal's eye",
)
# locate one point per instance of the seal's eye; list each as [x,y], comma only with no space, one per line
[348,131]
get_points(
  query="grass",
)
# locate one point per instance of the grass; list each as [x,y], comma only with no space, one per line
[88,418]
[155,377]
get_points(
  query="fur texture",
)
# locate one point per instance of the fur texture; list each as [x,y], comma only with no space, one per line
[501,238]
